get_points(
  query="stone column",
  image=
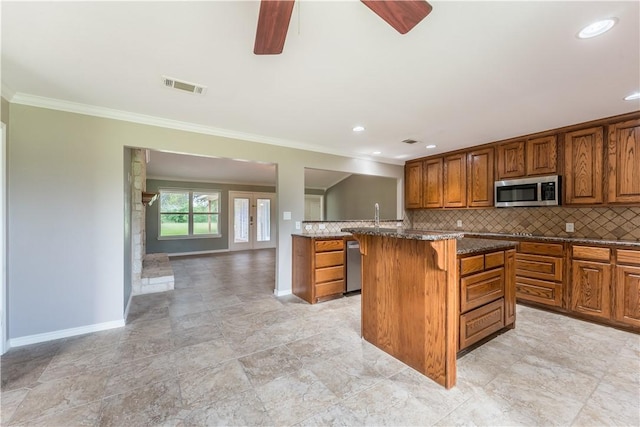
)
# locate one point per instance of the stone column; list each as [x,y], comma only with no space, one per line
[138,236]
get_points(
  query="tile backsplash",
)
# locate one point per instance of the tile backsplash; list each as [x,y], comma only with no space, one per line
[611,223]
[336,226]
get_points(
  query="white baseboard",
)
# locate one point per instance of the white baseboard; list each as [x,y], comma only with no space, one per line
[215,251]
[281,293]
[64,333]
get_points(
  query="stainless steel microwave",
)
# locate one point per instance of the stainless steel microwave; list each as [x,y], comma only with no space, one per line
[537,191]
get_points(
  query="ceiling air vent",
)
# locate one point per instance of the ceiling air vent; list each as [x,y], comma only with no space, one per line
[409,141]
[185,86]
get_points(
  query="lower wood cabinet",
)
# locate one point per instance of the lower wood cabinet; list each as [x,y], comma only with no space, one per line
[487,295]
[318,268]
[627,290]
[540,273]
[590,288]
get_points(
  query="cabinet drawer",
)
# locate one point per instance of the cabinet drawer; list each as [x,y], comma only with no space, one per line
[540,248]
[330,288]
[539,267]
[481,288]
[471,264]
[329,259]
[495,259]
[591,253]
[329,274]
[481,322]
[329,245]
[625,256]
[540,291]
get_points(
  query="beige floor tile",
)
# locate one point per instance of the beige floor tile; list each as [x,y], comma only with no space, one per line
[267,365]
[155,404]
[142,372]
[213,384]
[203,355]
[85,415]
[52,397]
[295,397]
[613,403]
[244,409]
[9,402]
[78,362]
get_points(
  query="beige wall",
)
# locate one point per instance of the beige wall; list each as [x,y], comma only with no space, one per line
[4,111]
[66,209]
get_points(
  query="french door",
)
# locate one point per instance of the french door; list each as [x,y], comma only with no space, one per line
[252,221]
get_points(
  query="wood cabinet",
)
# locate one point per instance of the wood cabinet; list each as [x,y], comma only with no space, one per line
[318,268]
[539,273]
[487,295]
[623,158]
[542,156]
[510,160]
[583,166]
[627,287]
[432,183]
[591,281]
[413,185]
[480,178]
[455,181]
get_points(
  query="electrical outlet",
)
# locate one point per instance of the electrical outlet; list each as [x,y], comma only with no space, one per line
[298,225]
[459,223]
[569,227]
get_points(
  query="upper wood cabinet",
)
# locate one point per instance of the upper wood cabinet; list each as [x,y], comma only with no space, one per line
[624,162]
[510,160]
[542,156]
[480,178]
[432,183]
[413,185]
[583,166]
[455,181]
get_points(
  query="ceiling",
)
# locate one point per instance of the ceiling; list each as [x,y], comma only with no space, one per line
[469,73]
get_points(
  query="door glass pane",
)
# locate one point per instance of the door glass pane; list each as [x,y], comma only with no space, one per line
[263,233]
[241,220]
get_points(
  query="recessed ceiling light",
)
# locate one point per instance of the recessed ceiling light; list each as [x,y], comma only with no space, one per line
[377,152]
[633,96]
[358,128]
[430,146]
[597,28]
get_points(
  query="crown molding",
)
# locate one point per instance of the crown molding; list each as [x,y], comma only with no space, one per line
[110,113]
[6,92]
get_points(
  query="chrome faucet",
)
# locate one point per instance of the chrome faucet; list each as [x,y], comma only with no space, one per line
[376,215]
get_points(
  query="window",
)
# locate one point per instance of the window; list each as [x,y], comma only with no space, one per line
[189,213]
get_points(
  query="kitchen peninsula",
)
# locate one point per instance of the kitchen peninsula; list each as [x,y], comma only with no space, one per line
[413,300]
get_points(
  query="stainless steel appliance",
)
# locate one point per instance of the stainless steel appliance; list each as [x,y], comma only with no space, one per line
[354,262]
[537,191]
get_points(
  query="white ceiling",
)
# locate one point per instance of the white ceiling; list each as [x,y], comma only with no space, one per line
[470,73]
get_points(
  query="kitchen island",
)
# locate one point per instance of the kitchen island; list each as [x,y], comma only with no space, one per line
[411,296]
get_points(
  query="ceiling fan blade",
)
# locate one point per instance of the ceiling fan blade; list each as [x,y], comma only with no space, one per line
[273,24]
[402,15]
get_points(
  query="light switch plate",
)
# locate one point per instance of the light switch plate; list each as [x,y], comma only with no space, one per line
[286,215]
[569,227]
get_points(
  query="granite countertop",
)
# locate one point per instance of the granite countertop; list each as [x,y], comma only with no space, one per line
[579,240]
[320,234]
[467,246]
[402,233]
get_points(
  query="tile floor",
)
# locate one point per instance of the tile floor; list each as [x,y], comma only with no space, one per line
[222,350]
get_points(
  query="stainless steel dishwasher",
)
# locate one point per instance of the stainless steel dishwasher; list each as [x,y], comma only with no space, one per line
[354,262]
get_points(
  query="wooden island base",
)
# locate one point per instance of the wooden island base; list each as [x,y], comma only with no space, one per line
[409,302]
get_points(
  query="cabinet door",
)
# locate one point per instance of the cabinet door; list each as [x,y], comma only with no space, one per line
[583,162]
[590,288]
[627,295]
[432,196]
[455,181]
[413,185]
[624,162]
[510,287]
[480,178]
[542,156]
[511,160]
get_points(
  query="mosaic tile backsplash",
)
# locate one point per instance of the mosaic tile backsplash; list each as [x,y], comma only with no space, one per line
[613,223]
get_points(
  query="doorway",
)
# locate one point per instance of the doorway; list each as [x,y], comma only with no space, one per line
[251,220]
